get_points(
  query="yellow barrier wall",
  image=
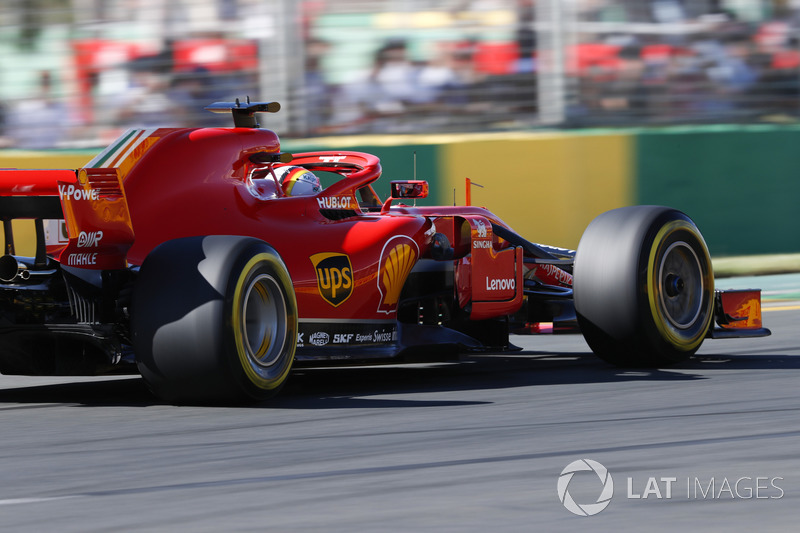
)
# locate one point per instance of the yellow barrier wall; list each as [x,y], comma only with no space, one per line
[548,187]
[20,159]
[24,236]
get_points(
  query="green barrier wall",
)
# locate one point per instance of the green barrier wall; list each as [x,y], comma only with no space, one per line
[741,185]
[547,186]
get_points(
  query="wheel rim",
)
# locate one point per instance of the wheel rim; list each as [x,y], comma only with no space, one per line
[681,285]
[263,321]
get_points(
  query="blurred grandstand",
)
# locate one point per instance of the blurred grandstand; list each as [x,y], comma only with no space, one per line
[75,73]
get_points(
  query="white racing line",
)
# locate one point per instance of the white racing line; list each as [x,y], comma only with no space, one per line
[21,501]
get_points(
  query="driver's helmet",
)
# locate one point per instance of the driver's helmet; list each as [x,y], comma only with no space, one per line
[297,181]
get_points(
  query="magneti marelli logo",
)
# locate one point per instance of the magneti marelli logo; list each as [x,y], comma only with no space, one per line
[605,487]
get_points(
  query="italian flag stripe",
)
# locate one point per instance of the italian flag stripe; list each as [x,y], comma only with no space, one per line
[103,156]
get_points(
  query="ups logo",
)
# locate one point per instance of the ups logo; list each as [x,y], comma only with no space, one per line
[334,277]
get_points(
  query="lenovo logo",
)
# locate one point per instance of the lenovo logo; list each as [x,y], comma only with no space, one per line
[501,284]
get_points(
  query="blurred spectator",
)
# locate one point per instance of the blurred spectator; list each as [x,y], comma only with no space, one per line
[4,139]
[734,72]
[667,11]
[779,84]
[439,73]
[317,93]
[739,68]
[525,36]
[451,77]
[474,63]
[189,92]
[626,97]
[386,90]
[145,102]
[394,78]
[40,121]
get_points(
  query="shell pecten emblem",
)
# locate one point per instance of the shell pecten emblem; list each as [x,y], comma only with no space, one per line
[398,257]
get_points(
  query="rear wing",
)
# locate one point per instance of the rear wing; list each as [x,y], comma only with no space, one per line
[30,194]
[92,203]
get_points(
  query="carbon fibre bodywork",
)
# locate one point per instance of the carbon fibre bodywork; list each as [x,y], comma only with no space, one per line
[372,280]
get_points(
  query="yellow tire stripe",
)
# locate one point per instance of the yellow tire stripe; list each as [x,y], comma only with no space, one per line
[653,290]
[238,325]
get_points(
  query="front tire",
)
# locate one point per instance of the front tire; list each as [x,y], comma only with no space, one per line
[214,320]
[643,286]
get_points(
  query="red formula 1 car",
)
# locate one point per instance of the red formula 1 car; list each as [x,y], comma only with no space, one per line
[179,252]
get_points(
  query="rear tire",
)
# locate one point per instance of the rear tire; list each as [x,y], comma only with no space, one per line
[643,286]
[214,320]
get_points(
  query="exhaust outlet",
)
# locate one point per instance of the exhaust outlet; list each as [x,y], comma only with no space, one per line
[11,269]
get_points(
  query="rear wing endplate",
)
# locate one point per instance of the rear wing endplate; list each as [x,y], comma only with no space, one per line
[97,219]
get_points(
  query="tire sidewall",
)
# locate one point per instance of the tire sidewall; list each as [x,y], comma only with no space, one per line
[678,229]
[182,319]
[617,289]
[256,260]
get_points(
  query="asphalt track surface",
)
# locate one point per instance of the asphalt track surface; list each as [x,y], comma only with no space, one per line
[474,446]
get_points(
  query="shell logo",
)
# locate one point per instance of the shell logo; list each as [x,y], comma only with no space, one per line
[398,257]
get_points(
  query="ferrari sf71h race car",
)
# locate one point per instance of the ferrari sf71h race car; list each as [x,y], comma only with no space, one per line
[177,253]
